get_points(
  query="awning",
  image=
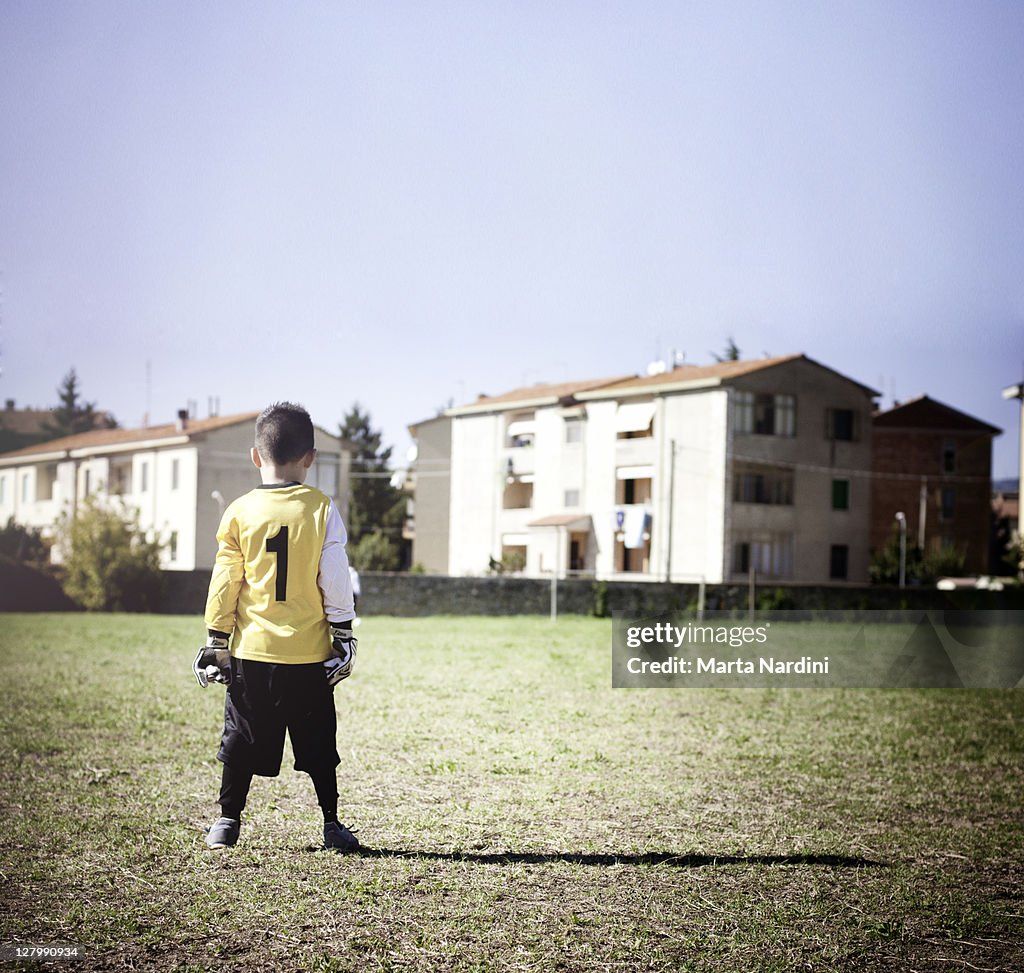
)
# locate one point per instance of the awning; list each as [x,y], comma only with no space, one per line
[522,427]
[634,417]
[569,521]
[634,473]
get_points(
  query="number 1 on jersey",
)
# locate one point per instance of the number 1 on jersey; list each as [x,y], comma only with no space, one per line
[278,544]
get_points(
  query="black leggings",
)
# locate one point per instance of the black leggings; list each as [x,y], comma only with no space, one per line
[234,789]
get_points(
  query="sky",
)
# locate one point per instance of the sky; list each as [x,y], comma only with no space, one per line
[408,204]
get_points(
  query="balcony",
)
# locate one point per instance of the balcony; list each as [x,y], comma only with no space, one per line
[635,452]
[519,460]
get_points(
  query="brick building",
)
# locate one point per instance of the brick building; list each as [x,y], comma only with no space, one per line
[933,463]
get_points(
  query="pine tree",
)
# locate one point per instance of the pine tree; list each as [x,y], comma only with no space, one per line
[376,508]
[731,353]
[73,416]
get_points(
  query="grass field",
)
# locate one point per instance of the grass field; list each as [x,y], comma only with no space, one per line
[517,813]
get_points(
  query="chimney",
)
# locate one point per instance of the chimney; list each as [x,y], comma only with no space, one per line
[182,423]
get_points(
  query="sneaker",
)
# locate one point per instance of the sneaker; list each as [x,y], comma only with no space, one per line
[223,833]
[339,838]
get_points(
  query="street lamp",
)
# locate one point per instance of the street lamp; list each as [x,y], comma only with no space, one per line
[901,519]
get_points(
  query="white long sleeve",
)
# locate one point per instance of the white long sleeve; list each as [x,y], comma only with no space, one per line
[334,579]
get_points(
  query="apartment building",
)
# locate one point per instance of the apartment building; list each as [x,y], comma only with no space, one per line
[933,463]
[701,472]
[178,477]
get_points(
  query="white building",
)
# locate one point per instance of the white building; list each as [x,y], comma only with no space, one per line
[702,472]
[178,477]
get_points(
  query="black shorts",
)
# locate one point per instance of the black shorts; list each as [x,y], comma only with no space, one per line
[265,699]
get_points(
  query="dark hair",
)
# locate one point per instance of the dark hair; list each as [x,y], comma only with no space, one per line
[284,433]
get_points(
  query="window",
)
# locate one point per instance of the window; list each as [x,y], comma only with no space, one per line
[573,429]
[86,482]
[572,498]
[175,472]
[840,494]
[949,456]
[948,509]
[518,495]
[143,477]
[743,416]
[121,478]
[3,489]
[46,478]
[173,545]
[841,425]
[513,558]
[323,474]
[630,491]
[768,555]
[521,430]
[763,485]
[765,414]
[838,557]
[25,480]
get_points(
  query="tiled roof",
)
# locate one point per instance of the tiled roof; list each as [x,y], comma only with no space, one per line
[688,373]
[684,375]
[25,421]
[678,378]
[553,392]
[99,438]
[924,412]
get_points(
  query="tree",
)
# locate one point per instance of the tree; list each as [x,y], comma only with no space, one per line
[109,563]
[374,552]
[921,567]
[25,545]
[731,353]
[73,416]
[376,509]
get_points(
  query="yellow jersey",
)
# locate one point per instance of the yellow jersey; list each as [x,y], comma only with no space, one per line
[266,584]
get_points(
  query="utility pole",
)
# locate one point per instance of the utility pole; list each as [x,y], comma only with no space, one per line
[922,513]
[901,519]
[1017,392]
[671,507]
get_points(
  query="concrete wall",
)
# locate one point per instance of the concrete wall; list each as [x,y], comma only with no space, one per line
[698,422]
[433,494]
[422,595]
[476,492]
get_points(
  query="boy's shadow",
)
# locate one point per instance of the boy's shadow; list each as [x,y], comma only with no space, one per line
[655,858]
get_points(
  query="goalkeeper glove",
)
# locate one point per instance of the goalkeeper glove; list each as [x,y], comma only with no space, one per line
[343,653]
[213,661]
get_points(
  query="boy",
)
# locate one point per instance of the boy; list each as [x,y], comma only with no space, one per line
[281,585]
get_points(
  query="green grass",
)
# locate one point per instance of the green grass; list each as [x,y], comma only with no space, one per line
[518,813]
